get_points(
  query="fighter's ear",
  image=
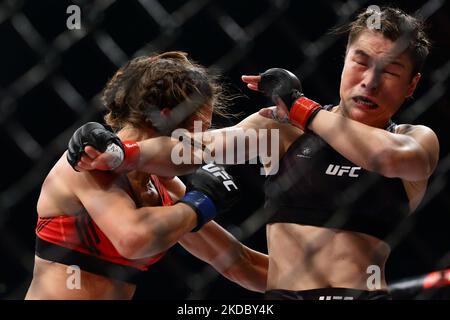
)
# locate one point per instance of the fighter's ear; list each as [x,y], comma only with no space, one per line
[412,86]
[165,112]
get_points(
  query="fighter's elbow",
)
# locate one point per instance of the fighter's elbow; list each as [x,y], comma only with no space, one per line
[134,244]
[128,244]
[405,163]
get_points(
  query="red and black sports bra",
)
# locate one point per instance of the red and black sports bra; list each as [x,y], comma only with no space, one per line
[77,240]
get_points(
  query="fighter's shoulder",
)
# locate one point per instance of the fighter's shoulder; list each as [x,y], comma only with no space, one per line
[419,132]
[56,194]
[410,129]
[73,180]
[424,135]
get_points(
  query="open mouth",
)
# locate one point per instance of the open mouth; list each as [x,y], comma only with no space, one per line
[365,102]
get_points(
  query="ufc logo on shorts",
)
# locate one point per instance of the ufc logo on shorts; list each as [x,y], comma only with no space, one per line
[218,172]
[337,170]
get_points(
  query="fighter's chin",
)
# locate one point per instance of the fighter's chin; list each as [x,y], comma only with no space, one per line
[358,113]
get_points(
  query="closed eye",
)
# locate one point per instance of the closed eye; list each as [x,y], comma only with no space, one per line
[361,63]
[391,73]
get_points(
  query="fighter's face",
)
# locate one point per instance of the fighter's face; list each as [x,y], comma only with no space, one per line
[203,116]
[374,84]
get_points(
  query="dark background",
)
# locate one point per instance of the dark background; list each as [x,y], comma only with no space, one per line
[50,78]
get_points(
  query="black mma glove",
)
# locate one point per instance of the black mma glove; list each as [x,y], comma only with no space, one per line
[125,154]
[277,82]
[209,191]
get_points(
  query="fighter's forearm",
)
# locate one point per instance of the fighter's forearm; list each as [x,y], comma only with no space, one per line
[156,157]
[366,146]
[214,245]
[166,156]
[228,256]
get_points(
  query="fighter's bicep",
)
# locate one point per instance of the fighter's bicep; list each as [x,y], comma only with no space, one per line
[108,203]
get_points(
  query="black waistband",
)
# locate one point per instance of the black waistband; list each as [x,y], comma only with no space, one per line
[52,252]
[327,294]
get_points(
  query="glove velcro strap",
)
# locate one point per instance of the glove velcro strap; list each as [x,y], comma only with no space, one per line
[302,112]
[131,158]
[204,207]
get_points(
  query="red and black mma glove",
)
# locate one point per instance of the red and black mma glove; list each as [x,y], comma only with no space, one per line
[277,82]
[124,154]
[210,191]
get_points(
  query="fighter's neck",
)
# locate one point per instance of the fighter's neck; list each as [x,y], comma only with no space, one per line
[136,134]
[339,109]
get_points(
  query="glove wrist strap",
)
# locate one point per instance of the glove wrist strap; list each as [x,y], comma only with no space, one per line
[202,205]
[132,154]
[303,111]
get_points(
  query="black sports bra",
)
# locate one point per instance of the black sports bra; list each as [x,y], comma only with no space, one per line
[317,186]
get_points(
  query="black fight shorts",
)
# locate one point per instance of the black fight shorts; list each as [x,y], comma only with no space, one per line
[327,294]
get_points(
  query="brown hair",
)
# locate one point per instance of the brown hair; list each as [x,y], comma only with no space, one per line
[145,85]
[395,25]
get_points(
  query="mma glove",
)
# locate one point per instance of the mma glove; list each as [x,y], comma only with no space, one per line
[209,191]
[283,84]
[125,154]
